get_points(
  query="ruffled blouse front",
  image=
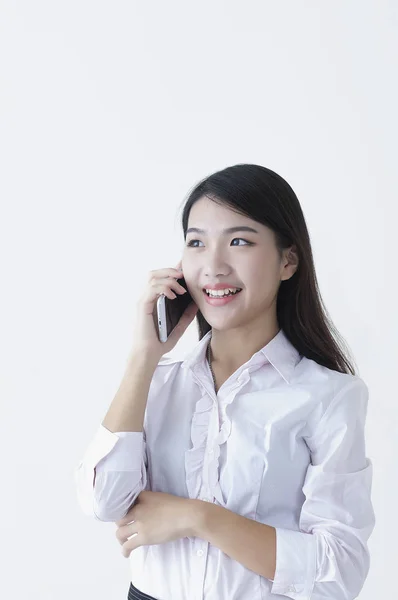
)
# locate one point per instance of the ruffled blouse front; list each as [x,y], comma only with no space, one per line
[210,429]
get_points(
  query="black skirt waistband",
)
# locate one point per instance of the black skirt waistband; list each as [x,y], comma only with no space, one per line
[135,594]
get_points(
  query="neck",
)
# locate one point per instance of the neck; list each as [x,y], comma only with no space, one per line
[232,348]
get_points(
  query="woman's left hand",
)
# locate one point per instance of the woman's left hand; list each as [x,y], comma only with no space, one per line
[156,517]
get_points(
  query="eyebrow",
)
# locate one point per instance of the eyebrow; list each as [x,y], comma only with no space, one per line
[225,231]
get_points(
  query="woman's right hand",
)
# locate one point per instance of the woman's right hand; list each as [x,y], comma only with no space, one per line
[161,281]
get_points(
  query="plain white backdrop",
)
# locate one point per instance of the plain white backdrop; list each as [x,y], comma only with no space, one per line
[110,112]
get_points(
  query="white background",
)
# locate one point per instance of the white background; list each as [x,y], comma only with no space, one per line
[110,113]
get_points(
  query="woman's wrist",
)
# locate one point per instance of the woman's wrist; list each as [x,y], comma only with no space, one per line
[196,516]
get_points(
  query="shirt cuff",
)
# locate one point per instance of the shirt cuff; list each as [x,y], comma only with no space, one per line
[295,573]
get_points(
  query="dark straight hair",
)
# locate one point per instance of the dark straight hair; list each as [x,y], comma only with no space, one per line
[265,197]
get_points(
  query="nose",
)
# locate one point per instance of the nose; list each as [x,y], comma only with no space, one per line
[213,263]
[215,269]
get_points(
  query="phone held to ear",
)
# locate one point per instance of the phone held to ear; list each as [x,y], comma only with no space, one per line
[169,311]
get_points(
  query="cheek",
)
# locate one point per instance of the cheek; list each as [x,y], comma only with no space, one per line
[190,284]
[186,264]
[190,272]
[260,273]
[260,286]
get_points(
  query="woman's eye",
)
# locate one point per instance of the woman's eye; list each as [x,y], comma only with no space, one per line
[191,242]
[241,239]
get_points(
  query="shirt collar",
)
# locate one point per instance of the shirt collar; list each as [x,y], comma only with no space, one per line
[280,352]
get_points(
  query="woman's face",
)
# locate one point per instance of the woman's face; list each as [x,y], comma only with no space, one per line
[243,259]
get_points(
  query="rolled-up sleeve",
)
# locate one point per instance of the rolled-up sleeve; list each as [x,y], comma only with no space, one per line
[111,474]
[328,557]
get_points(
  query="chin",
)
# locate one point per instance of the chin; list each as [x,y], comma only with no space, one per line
[221,324]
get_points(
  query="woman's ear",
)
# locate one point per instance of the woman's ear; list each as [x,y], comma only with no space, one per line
[290,263]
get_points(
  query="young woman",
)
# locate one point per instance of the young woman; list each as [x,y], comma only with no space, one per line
[240,472]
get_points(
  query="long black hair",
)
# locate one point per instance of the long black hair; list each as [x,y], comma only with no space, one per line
[264,196]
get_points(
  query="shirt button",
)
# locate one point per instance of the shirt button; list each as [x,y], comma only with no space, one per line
[200,553]
[211,451]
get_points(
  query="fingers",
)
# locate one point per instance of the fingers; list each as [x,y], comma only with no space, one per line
[131,545]
[160,273]
[128,538]
[166,286]
[126,532]
[164,281]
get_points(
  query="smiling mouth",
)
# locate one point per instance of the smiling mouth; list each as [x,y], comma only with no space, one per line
[222,295]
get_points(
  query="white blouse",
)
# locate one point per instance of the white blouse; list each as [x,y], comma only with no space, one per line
[282,442]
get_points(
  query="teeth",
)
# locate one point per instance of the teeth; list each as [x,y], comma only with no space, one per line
[221,293]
